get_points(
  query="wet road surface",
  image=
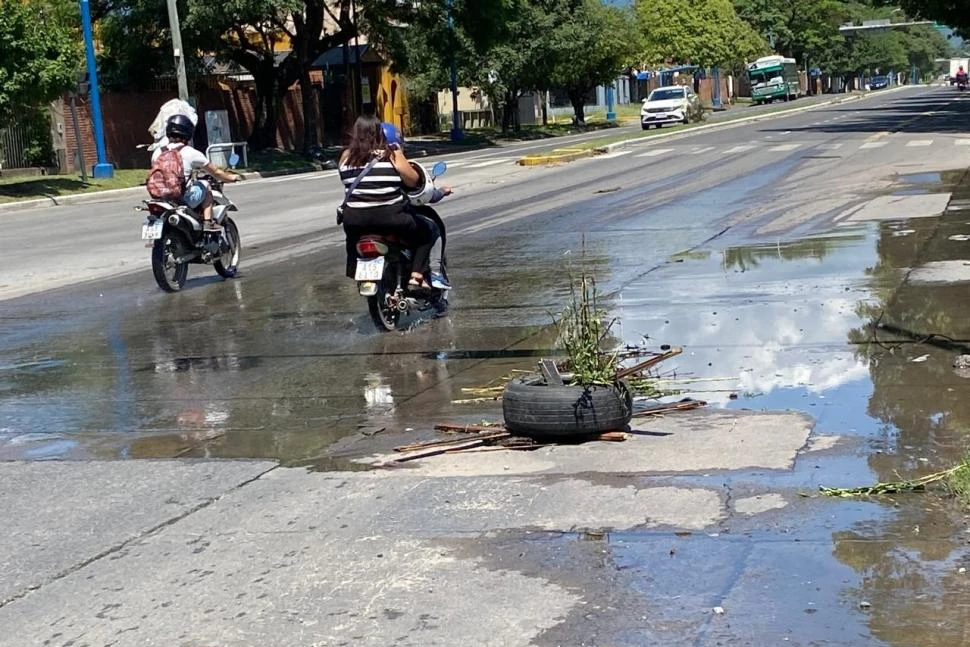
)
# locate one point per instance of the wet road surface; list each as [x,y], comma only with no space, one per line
[766,251]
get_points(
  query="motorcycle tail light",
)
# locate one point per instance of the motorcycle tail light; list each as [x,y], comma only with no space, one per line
[156,209]
[369,248]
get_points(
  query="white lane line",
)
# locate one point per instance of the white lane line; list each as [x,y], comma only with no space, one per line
[919,142]
[702,149]
[739,149]
[784,147]
[490,163]
[873,145]
[830,147]
[962,142]
[656,151]
[317,176]
[613,154]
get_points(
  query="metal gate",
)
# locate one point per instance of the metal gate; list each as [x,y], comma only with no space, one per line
[13,144]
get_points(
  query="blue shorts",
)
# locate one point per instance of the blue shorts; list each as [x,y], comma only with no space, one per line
[195,194]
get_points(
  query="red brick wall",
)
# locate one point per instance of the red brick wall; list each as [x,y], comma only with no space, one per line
[127,115]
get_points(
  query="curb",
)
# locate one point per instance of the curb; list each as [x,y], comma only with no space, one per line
[556,156]
[689,132]
[97,196]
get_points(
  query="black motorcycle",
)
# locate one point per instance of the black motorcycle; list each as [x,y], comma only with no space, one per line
[384,268]
[178,238]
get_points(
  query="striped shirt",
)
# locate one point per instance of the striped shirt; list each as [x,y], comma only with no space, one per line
[381,187]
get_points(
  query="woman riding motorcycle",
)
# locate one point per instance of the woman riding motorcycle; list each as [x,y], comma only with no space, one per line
[379,204]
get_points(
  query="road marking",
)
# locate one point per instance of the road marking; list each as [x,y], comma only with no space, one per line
[613,154]
[702,149]
[920,142]
[490,163]
[661,151]
[317,176]
[784,147]
[830,147]
[962,142]
[739,149]
[873,145]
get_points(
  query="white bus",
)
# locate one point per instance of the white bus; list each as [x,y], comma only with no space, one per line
[774,77]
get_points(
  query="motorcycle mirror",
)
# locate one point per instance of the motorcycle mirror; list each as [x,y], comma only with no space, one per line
[439,169]
[233,159]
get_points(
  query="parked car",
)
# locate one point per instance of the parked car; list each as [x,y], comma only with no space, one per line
[670,105]
[879,83]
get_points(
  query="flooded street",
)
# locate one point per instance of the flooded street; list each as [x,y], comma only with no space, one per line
[816,270]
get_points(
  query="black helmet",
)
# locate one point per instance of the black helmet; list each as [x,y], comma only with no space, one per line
[179,126]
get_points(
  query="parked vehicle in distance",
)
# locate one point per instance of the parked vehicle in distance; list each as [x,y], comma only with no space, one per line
[670,105]
[774,77]
[879,82]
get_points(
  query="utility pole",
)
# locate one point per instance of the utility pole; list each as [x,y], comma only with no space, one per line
[456,133]
[173,26]
[102,169]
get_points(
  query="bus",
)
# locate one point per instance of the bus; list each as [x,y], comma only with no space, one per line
[774,77]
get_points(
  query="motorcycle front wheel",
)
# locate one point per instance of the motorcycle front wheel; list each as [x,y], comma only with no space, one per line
[382,312]
[230,267]
[169,275]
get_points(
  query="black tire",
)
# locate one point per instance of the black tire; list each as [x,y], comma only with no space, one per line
[686,119]
[645,126]
[385,318]
[170,276]
[230,269]
[531,408]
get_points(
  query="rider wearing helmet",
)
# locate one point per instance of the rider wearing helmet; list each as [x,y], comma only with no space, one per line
[379,203]
[198,196]
[961,75]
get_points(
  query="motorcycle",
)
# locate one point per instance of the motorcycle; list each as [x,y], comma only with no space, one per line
[177,237]
[961,86]
[384,265]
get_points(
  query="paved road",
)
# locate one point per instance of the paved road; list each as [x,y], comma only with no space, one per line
[761,249]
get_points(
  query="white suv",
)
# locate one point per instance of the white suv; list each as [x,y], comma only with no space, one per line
[670,105]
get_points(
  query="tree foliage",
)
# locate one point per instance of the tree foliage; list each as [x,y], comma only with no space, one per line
[39,56]
[795,28]
[594,44]
[702,33]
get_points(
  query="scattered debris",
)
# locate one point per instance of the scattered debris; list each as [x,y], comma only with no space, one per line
[921,358]
[718,611]
[864,605]
[484,437]
[683,405]
[955,480]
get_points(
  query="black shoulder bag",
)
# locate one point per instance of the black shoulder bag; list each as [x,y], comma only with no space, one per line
[353,187]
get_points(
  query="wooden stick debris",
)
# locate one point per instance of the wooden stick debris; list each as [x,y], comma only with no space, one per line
[468,444]
[646,364]
[468,429]
[454,441]
[670,408]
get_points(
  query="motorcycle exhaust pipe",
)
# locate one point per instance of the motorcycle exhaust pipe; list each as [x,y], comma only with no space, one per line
[173,219]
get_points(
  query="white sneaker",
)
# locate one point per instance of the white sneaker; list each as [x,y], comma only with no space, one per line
[438,282]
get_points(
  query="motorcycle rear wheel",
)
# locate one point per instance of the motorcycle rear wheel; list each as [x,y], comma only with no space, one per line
[383,315]
[169,275]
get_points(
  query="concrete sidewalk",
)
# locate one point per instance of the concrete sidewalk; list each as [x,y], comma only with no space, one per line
[246,553]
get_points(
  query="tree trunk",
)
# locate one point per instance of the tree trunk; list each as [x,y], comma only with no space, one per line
[510,112]
[545,108]
[266,115]
[310,132]
[577,99]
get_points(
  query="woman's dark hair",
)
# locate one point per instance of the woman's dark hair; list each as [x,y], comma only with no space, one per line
[366,137]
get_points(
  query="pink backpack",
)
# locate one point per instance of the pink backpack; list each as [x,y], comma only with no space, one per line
[166,180]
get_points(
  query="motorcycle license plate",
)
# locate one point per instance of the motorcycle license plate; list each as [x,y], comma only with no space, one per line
[152,231]
[371,270]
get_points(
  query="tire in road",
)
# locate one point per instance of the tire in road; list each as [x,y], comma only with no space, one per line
[532,408]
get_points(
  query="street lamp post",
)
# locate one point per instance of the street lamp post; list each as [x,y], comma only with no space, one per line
[610,114]
[102,169]
[716,88]
[456,132]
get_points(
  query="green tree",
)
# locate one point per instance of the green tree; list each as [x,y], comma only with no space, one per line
[702,33]
[795,28]
[39,56]
[594,42]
